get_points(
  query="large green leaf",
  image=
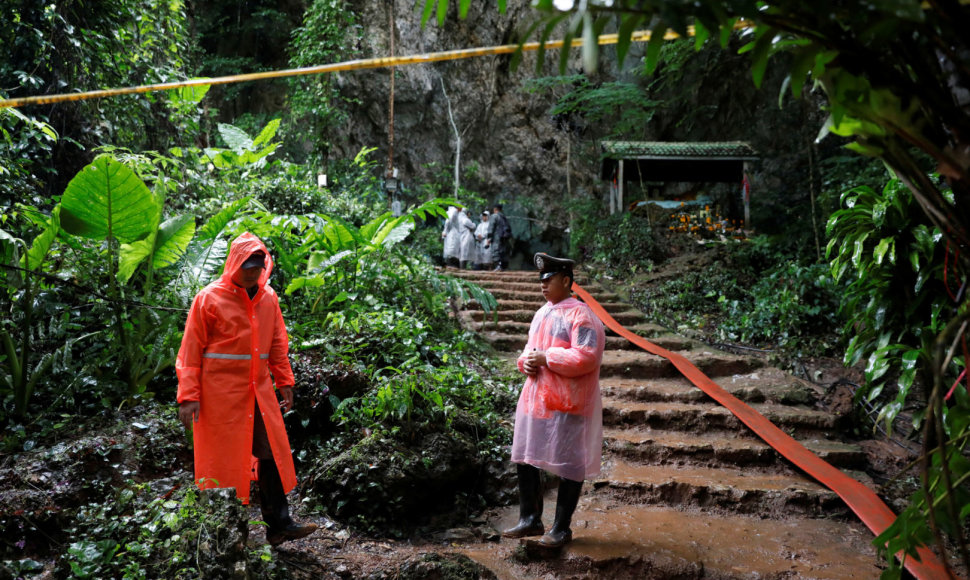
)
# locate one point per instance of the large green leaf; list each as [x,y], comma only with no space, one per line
[42,243]
[131,255]
[237,139]
[268,132]
[190,95]
[392,233]
[107,197]
[341,236]
[204,259]
[166,246]
[368,230]
[172,239]
[218,222]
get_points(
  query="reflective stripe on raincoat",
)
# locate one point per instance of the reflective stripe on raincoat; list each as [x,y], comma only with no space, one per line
[231,347]
[559,416]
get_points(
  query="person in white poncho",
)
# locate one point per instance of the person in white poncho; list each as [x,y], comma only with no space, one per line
[468,252]
[481,234]
[452,238]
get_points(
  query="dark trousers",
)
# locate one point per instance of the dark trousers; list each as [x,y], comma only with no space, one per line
[272,499]
[500,253]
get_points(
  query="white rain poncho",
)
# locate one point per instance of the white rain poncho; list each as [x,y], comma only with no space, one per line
[559,417]
[481,234]
[469,247]
[452,235]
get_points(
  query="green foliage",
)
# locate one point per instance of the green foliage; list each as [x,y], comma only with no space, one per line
[755,292]
[692,300]
[792,307]
[624,107]
[893,262]
[315,107]
[66,47]
[943,500]
[624,242]
[126,317]
[24,140]
[183,534]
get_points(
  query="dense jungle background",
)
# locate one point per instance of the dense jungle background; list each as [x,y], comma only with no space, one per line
[403,416]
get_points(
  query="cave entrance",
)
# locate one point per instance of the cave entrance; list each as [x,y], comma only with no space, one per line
[663,176]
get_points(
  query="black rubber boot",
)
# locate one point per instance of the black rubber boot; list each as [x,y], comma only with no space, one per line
[275,509]
[560,534]
[530,504]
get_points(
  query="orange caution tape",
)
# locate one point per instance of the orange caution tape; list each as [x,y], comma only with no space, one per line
[861,500]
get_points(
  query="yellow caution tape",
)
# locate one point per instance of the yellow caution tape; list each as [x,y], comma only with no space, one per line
[368,63]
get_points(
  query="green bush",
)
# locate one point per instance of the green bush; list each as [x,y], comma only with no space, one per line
[184,534]
[623,243]
[792,307]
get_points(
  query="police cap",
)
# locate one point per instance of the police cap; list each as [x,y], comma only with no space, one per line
[549,266]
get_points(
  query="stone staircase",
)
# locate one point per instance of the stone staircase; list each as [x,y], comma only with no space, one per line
[686,491]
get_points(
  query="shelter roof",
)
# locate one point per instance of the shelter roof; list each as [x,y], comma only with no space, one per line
[678,150]
[661,161]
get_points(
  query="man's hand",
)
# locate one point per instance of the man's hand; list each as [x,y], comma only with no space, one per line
[189,413]
[287,393]
[534,360]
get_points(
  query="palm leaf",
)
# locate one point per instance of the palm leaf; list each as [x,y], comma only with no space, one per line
[218,222]
[172,239]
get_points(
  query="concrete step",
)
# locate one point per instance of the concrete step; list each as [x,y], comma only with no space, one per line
[534,294]
[637,364]
[717,449]
[513,276]
[512,335]
[710,417]
[734,490]
[516,341]
[658,543]
[537,303]
[767,384]
[632,319]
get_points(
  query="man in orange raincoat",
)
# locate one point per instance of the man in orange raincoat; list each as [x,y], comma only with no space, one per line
[234,348]
[559,416]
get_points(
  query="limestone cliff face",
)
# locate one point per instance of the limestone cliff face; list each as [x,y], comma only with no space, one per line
[508,137]
[506,134]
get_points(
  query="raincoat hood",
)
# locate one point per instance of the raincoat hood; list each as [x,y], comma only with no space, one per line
[241,249]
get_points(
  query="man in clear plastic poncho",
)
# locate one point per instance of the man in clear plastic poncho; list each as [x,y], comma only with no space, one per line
[452,237]
[559,417]
[233,353]
[468,252]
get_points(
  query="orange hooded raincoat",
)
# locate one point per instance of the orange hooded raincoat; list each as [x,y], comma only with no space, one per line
[233,350]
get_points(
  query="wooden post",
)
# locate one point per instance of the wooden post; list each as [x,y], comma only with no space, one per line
[619,189]
[746,197]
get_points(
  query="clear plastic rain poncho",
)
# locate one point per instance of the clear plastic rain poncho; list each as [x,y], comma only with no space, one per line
[481,234]
[452,234]
[559,417]
[469,247]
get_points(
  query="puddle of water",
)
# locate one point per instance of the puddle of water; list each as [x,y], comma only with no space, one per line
[697,544]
